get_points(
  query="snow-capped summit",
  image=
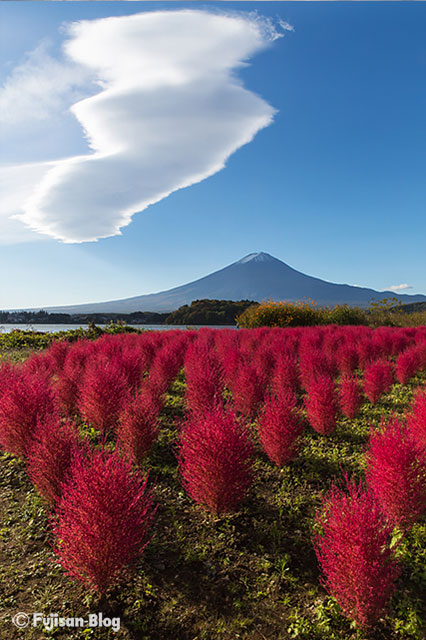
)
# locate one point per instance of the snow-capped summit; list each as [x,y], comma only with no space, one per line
[256,257]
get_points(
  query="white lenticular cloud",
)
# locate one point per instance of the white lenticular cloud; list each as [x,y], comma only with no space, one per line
[400,287]
[170,112]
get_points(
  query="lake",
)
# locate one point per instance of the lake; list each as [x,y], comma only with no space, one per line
[53,328]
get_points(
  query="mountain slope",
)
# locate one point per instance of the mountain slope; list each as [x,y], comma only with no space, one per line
[257,276]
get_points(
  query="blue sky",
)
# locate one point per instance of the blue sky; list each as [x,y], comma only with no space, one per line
[332,183]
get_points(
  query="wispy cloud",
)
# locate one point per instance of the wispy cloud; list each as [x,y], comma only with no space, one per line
[399,287]
[40,87]
[170,112]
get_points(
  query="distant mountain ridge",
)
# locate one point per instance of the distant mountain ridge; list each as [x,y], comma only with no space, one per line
[257,276]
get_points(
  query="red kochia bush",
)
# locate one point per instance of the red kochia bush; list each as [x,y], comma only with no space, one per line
[138,429]
[285,375]
[416,420]
[27,400]
[58,351]
[407,365]
[247,388]
[40,364]
[353,549]
[166,366]
[204,379]
[314,364]
[347,358]
[396,475]
[378,379]
[70,374]
[7,373]
[321,405]
[350,396]
[279,428]
[50,456]
[103,394]
[102,519]
[215,461]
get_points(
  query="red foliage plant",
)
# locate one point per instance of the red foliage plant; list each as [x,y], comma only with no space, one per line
[40,364]
[264,362]
[27,400]
[421,354]
[50,457]
[102,519]
[416,420]
[247,388]
[347,358]
[313,365]
[321,405]
[280,427]
[166,366]
[350,396]
[396,475]
[204,379]
[103,394]
[378,379]
[7,373]
[367,352]
[138,425]
[58,351]
[70,374]
[407,365]
[285,374]
[215,461]
[352,544]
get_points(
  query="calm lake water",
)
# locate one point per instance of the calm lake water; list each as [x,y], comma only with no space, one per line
[53,328]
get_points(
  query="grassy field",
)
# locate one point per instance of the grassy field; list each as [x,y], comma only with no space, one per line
[251,575]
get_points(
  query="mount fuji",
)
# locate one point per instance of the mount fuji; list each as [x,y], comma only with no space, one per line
[257,276]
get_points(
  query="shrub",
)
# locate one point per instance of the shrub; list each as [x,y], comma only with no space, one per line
[343,314]
[347,359]
[215,461]
[396,475]
[27,400]
[416,419]
[67,390]
[58,351]
[40,364]
[321,405]
[204,379]
[138,427]
[378,379]
[280,427]
[367,352]
[353,549]
[285,375]
[7,373]
[103,394]
[280,314]
[103,519]
[350,396]
[166,366]
[407,365]
[71,373]
[50,456]
[247,388]
[133,364]
[314,364]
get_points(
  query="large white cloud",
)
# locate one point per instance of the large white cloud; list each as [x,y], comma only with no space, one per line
[170,112]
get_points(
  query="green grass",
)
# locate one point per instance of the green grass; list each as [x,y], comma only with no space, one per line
[250,575]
